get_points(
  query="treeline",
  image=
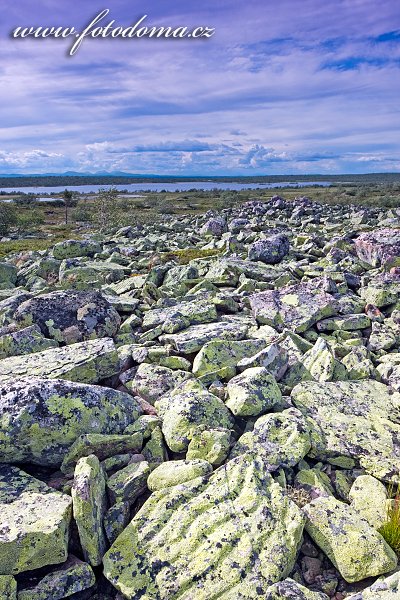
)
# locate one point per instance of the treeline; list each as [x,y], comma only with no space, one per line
[109,180]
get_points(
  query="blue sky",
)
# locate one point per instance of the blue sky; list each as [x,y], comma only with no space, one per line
[288,87]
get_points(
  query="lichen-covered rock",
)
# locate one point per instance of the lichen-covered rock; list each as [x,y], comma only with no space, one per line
[252,392]
[89,503]
[128,483]
[381,290]
[69,578]
[102,445]
[274,358]
[155,451]
[75,248]
[271,250]
[279,439]
[175,472]
[152,381]
[116,519]
[24,341]
[188,407]
[292,590]
[40,419]
[70,316]
[212,445]
[379,247]
[8,587]
[368,496]
[8,275]
[193,339]
[315,482]
[354,547]
[344,323]
[356,419]
[214,227]
[296,307]
[387,588]
[199,311]
[232,534]
[220,356]
[34,523]
[86,362]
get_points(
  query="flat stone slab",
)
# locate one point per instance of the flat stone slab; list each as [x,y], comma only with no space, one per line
[356,419]
[225,535]
[193,339]
[34,522]
[85,362]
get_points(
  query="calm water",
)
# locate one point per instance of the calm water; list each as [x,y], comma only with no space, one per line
[169,187]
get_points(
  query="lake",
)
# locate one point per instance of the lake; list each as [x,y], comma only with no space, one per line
[169,187]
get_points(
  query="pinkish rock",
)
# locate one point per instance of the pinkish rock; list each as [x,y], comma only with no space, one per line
[380,247]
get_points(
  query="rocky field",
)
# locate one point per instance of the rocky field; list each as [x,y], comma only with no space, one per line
[202,408]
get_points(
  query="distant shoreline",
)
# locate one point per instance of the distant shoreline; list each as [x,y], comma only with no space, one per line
[13,181]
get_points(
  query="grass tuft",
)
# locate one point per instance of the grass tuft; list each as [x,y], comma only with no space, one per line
[390,530]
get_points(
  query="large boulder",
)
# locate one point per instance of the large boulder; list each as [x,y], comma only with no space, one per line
[252,393]
[25,341]
[40,418]
[75,248]
[34,523]
[270,251]
[70,316]
[188,408]
[295,307]
[379,247]
[356,549]
[279,439]
[356,419]
[85,362]
[228,535]
[174,317]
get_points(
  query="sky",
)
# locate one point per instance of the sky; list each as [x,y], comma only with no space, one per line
[288,87]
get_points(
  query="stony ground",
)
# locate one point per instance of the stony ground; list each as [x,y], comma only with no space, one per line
[204,408]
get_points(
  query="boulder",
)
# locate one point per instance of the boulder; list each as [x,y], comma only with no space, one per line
[175,472]
[85,362]
[25,341]
[40,418]
[228,534]
[127,484]
[219,357]
[355,419]
[270,251]
[34,522]
[193,339]
[68,579]
[354,547]
[75,248]
[252,393]
[368,496]
[279,439]
[70,316]
[189,407]
[379,247]
[296,307]
[89,503]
